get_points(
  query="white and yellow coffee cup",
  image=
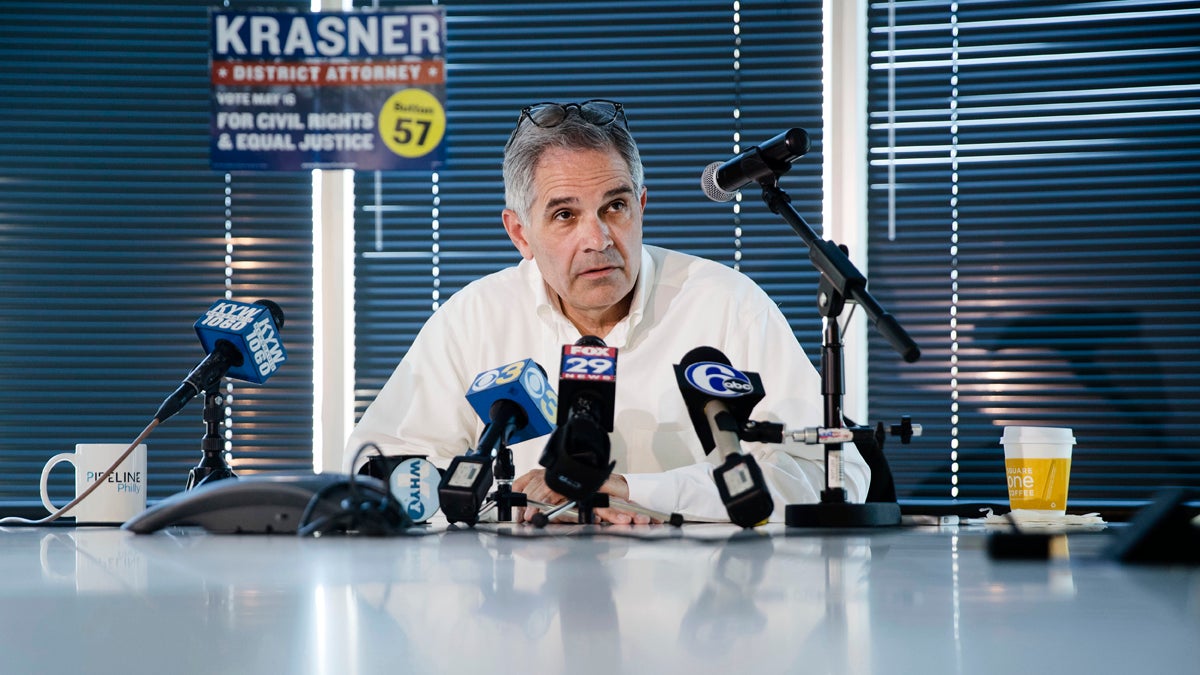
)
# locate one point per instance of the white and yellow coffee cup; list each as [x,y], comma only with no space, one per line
[1037,465]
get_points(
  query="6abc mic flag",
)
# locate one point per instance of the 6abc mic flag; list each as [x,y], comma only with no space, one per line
[719,400]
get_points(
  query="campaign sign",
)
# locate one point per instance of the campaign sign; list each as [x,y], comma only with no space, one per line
[330,90]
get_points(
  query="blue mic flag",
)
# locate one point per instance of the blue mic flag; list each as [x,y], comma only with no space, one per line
[241,340]
[524,383]
[251,329]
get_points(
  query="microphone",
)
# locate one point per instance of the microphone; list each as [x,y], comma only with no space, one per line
[719,399]
[577,455]
[706,379]
[241,341]
[517,404]
[587,380]
[722,180]
[515,401]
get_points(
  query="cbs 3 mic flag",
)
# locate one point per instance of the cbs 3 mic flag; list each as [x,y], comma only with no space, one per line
[517,395]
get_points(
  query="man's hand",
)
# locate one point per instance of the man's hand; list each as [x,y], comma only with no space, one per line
[533,486]
[616,486]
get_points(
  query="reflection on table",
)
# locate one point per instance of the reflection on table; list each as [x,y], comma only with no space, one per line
[585,599]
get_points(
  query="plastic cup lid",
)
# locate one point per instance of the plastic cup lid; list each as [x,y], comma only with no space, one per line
[1051,435]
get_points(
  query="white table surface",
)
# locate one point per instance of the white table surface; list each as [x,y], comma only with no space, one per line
[706,599]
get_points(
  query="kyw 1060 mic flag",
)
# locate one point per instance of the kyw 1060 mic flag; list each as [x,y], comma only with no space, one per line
[241,341]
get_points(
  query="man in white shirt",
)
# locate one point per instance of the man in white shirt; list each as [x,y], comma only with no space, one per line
[575,197]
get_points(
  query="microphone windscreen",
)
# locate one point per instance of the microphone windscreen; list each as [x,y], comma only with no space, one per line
[708,183]
[577,458]
[275,310]
[704,355]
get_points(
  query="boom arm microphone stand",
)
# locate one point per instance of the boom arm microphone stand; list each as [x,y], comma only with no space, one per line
[840,282]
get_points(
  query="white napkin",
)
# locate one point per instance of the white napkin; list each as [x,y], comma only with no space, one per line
[1029,520]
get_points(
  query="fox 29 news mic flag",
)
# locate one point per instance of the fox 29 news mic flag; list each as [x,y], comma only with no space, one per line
[719,399]
[517,403]
[241,341]
[587,380]
[577,455]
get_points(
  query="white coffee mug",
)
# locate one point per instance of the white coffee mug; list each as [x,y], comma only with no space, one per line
[121,496]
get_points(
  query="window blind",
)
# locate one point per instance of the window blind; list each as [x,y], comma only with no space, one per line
[700,82]
[117,236]
[1034,222]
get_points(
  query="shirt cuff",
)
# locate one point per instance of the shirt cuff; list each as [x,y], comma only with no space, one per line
[688,491]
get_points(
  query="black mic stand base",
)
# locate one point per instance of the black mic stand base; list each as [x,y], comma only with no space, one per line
[504,500]
[843,514]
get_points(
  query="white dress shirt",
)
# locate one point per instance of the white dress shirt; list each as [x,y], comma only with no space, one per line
[680,302]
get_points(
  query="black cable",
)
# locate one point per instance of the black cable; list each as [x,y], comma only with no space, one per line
[357,454]
[311,507]
[372,515]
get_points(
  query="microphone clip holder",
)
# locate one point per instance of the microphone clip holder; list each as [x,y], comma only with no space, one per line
[212,466]
[468,479]
[503,499]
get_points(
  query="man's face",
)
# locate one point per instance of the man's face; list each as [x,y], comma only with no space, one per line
[585,232]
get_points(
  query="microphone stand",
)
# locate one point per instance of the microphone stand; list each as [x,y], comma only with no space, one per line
[503,499]
[212,466]
[840,282]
